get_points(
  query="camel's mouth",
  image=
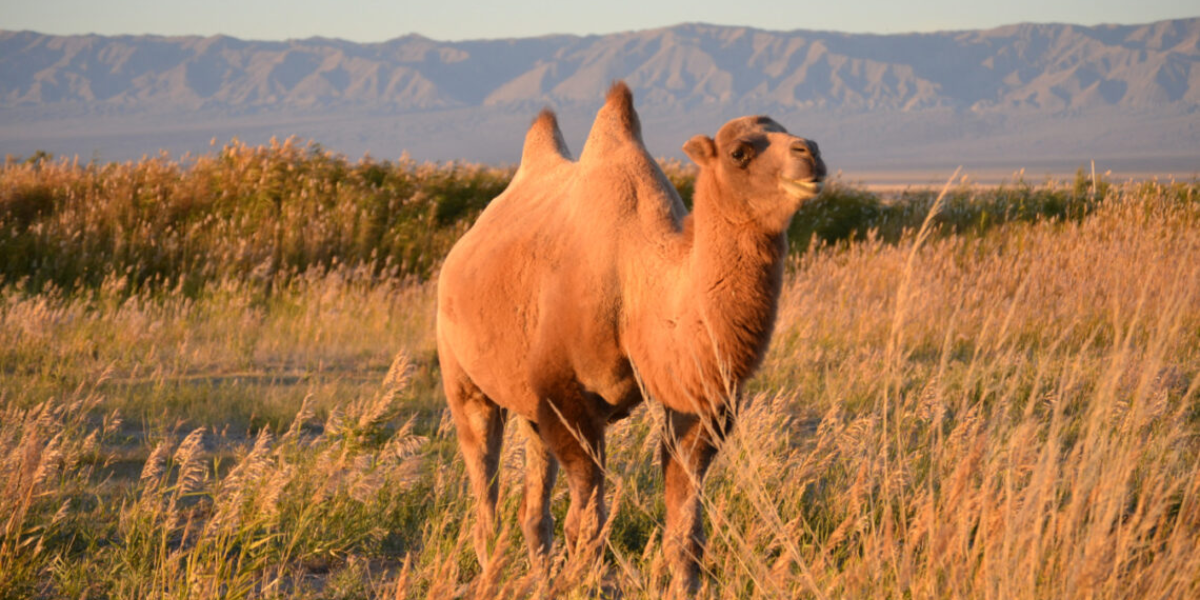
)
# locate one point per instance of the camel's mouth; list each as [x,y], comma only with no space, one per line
[802,189]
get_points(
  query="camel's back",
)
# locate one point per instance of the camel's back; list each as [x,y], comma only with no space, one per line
[541,265]
[558,214]
[491,285]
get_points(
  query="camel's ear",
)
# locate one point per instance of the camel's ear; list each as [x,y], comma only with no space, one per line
[701,149]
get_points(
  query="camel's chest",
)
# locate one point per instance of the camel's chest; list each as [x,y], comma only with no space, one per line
[614,388]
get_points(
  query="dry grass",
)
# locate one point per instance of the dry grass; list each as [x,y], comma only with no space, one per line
[1013,416]
[1009,412]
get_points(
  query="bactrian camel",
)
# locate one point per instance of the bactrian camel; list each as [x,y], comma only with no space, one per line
[586,286]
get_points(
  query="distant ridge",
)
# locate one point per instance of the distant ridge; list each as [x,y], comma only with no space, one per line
[995,90]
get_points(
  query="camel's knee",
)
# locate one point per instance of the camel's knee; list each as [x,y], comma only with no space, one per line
[571,527]
[485,530]
[585,520]
[537,524]
[588,513]
[538,529]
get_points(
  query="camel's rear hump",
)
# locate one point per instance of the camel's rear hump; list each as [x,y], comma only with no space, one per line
[544,145]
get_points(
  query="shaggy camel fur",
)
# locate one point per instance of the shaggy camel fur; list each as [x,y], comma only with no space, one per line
[586,285]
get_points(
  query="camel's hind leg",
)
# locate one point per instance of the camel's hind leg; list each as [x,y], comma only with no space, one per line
[480,425]
[541,471]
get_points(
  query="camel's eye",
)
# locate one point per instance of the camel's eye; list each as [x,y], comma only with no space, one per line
[742,154]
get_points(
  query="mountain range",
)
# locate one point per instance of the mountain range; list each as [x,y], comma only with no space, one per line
[1040,96]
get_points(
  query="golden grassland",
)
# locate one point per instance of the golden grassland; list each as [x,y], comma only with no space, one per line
[209,389]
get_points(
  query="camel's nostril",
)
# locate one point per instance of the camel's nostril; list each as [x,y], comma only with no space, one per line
[800,147]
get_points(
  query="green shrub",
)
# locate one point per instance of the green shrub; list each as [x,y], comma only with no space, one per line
[245,212]
[261,213]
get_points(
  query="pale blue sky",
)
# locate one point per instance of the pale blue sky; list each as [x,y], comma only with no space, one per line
[378,20]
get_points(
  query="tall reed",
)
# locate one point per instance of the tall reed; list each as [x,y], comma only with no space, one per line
[1008,411]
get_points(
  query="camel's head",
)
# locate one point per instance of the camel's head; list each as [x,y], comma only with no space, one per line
[757,164]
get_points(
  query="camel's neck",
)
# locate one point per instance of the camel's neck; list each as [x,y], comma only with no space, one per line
[736,275]
[718,317]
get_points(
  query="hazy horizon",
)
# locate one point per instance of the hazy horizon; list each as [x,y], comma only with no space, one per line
[1049,99]
[274,20]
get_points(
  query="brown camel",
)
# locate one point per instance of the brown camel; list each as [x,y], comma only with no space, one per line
[586,286]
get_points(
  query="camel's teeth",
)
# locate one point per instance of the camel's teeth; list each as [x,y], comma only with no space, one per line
[802,189]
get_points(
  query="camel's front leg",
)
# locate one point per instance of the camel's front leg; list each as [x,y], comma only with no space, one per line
[577,440]
[689,445]
[541,470]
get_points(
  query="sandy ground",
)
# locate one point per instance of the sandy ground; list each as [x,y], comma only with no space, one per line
[894,182]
